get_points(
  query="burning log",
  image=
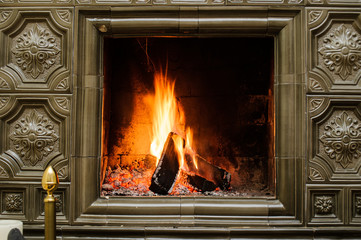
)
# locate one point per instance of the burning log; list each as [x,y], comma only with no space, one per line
[220,177]
[202,174]
[166,172]
[200,183]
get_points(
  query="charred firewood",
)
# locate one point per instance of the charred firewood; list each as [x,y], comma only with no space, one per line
[200,183]
[166,172]
[220,177]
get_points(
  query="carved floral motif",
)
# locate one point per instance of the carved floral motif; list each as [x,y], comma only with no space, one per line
[342,139]
[34,137]
[341,51]
[3,173]
[62,102]
[63,85]
[315,175]
[3,84]
[358,205]
[64,14]
[4,101]
[315,103]
[324,204]
[63,172]
[36,50]
[13,202]
[313,16]
[315,85]
[4,15]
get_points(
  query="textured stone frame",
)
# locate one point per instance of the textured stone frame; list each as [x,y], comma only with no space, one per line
[286,208]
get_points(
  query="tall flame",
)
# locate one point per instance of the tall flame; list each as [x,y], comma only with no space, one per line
[168,116]
[164,113]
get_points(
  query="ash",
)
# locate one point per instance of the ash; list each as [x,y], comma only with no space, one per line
[128,181]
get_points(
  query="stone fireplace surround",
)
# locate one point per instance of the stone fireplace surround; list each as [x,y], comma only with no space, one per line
[56,83]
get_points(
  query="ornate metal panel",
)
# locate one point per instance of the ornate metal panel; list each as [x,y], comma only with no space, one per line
[325,206]
[13,202]
[334,52]
[36,132]
[37,56]
[334,139]
[355,205]
[61,205]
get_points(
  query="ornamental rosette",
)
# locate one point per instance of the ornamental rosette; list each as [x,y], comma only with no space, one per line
[35,51]
[342,139]
[34,137]
[324,204]
[341,51]
[13,202]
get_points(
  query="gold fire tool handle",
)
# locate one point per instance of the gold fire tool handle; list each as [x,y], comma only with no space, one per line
[50,183]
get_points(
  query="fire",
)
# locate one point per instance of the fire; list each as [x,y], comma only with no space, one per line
[189,143]
[168,116]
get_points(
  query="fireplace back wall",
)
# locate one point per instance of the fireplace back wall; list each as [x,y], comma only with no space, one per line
[52,77]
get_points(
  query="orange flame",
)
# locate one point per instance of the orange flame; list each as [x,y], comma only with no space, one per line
[164,113]
[188,147]
[168,116]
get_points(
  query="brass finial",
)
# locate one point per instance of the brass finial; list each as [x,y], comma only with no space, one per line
[50,183]
[50,180]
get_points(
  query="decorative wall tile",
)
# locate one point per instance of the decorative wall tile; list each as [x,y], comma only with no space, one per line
[13,203]
[355,205]
[334,43]
[59,203]
[335,138]
[34,136]
[325,206]
[35,50]
[340,52]
[341,138]
[38,134]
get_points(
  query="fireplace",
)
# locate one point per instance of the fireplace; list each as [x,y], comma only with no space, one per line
[131,41]
[224,99]
[281,75]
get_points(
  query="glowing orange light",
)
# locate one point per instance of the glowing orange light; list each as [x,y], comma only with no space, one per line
[168,116]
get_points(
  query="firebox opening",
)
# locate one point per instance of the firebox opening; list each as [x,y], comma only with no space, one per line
[223,91]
